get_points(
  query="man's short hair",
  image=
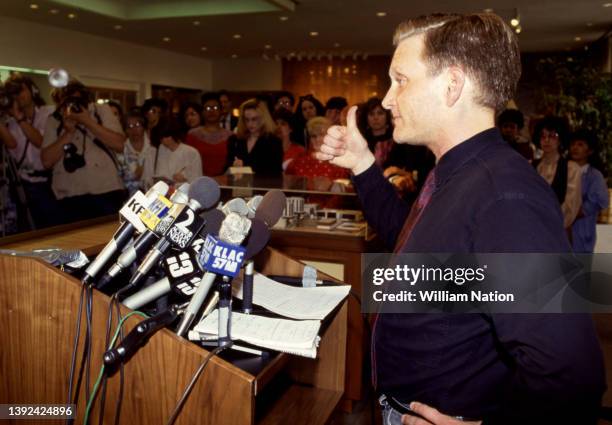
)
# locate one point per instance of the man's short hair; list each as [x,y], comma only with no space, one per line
[481,44]
[336,102]
[511,116]
[211,96]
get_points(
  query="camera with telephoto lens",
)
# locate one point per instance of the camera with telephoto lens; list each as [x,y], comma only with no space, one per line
[8,92]
[74,104]
[72,159]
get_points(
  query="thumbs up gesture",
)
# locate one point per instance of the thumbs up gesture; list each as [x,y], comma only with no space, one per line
[346,147]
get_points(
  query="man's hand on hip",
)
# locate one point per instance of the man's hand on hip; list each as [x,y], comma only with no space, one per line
[346,147]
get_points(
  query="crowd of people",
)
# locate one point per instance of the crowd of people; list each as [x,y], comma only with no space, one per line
[79,159]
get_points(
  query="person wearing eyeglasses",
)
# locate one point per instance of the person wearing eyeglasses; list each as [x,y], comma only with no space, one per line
[255,145]
[137,146]
[210,139]
[284,100]
[561,174]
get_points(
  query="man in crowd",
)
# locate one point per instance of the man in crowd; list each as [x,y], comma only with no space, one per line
[80,143]
[333,109]
[449,75]
[228,120]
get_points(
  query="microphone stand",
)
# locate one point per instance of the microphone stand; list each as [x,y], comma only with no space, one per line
[247,287]
[225,312]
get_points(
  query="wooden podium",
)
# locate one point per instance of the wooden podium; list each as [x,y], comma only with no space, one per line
[38,311]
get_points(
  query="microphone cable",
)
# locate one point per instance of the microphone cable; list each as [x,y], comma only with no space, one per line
[194,379]
[77,336]
[101,374]
[113,301]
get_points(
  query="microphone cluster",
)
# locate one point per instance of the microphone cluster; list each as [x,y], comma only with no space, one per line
[192,243]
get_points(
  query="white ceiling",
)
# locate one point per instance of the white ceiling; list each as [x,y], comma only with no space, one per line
[343,26]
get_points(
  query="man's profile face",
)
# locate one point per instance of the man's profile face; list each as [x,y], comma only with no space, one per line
[414,97]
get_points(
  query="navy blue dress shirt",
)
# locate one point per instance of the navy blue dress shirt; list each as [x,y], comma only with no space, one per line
[503,368]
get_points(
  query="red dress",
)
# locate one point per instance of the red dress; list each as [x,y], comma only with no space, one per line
[308,166]
[212,148]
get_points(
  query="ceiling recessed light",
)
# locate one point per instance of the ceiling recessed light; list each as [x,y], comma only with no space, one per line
[589,24]
[488,10]
[54,11]
[71,16]
[518,29]
[607,5]
[234,56]
[118,27]
[267,46]
[514,22]
[381,14]
[203,48]
[577,38]
[336,44]
[237,36]
[283,18]
[33,6]
[196,23]
[313,33]
[166,39]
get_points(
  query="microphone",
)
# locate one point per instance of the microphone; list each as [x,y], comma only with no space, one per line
[236,205]
[124,233]
[185,225]
[136,250]
[253,204]
[220,256]
[137,338]
[271,207]
[269,211]
[183,283]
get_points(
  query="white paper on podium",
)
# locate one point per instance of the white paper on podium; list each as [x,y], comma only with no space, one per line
[293,302]
[288,336]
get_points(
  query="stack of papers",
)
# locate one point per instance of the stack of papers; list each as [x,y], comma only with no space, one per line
[293,302]
[287,336]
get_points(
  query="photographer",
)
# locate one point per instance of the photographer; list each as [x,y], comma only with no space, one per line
[24,117]
[80,142]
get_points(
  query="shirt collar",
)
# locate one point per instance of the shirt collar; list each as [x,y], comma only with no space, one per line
[452,160]
[584,168]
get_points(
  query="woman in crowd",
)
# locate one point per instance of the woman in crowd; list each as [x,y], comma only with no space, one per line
[210,139]
[595,197]
[562,175]
[308,107]
[375,125]
[190,116]
[255,144]
[307,164]
[136,149]
[284,131]
[155,110]
[171,160]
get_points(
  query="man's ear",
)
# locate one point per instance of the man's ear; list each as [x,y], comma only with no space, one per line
[455,85]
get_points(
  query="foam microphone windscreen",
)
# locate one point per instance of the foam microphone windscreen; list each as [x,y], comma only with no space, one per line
[213,219]
[160,188]
[205,191]
[236,205]
[258,238]
[271,207]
